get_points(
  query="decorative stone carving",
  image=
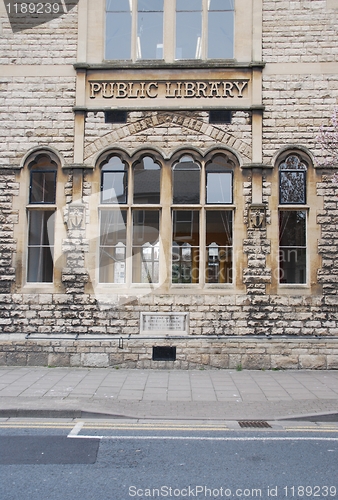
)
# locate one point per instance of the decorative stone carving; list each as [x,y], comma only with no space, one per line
[75,216]
[257,216]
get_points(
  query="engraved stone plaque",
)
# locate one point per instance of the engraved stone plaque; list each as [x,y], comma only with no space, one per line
[164,323]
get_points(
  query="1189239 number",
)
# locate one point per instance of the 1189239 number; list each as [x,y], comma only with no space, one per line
[33,8]
[310,491]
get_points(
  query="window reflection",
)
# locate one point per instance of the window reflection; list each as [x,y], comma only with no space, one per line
[146,225]
[218,246]
[220,29]
[113,238]
[150,29]
[185,247]
[188,29]
[292,178]
[292,246]
[147,180]
[186,181]
[118,29]
[114,181]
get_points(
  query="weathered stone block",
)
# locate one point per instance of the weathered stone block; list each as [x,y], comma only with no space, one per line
[313,362]
[99,360]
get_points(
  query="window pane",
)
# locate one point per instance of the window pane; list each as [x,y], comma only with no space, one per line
[146,246]
[147,178]
[112,266]
[118,5]
[292,187]
[186,181]
[41,232]
[219,227]
[150,5]
[43,187]
[219,187]
[220,35]
[185,249]
[218,247]
[114,181]
[292,250]
[292,266]
[114,187]
[40,246]
[188,5]
[292,228]
[188,35]
[220,5]
[118,35]
[150,35]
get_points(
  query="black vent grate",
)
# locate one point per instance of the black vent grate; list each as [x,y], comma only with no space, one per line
[254,423]
[164,353]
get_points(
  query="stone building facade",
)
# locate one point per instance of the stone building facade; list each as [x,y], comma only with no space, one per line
[164,198]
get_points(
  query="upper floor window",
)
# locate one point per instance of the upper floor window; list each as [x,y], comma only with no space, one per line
[135,29]
[146,41]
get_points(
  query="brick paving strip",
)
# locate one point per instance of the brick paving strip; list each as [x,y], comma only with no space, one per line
[175,394]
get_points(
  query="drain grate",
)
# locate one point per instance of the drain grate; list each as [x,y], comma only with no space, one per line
[254,423]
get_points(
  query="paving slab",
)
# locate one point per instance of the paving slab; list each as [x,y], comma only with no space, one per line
[195,394]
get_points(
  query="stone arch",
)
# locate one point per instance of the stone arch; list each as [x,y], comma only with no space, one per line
[194,124]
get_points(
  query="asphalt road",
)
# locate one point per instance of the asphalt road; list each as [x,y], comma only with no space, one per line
[110,461]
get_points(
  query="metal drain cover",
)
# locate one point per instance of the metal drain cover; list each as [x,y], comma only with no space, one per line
[254,423]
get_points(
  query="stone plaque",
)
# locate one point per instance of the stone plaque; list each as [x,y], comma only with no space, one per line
[164,323]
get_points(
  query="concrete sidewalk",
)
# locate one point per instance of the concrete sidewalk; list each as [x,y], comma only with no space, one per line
[171,394]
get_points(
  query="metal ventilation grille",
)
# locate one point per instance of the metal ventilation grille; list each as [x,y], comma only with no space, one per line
[164,353]
[254,423]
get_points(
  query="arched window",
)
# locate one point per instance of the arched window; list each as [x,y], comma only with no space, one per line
[292,223]
[129,235]
[202,236]
[41,218]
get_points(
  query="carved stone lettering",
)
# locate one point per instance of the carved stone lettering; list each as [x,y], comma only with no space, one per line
[167,89]
[170,323]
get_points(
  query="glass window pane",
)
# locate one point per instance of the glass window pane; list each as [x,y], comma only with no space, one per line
[186,181]
[150,5]
[40,246]
[292,186]
[219,227]
[185,248]
[112,264]
[292,265]
[118,35]
[118,5]
[219,187]
[292,250]
[292,228]
[150,35]
[147,179]
[188,35]
[221,35]
[146,246]
[43,187]
[114,187]
[218,247]
[220,5]
[40,232]
[188,5]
